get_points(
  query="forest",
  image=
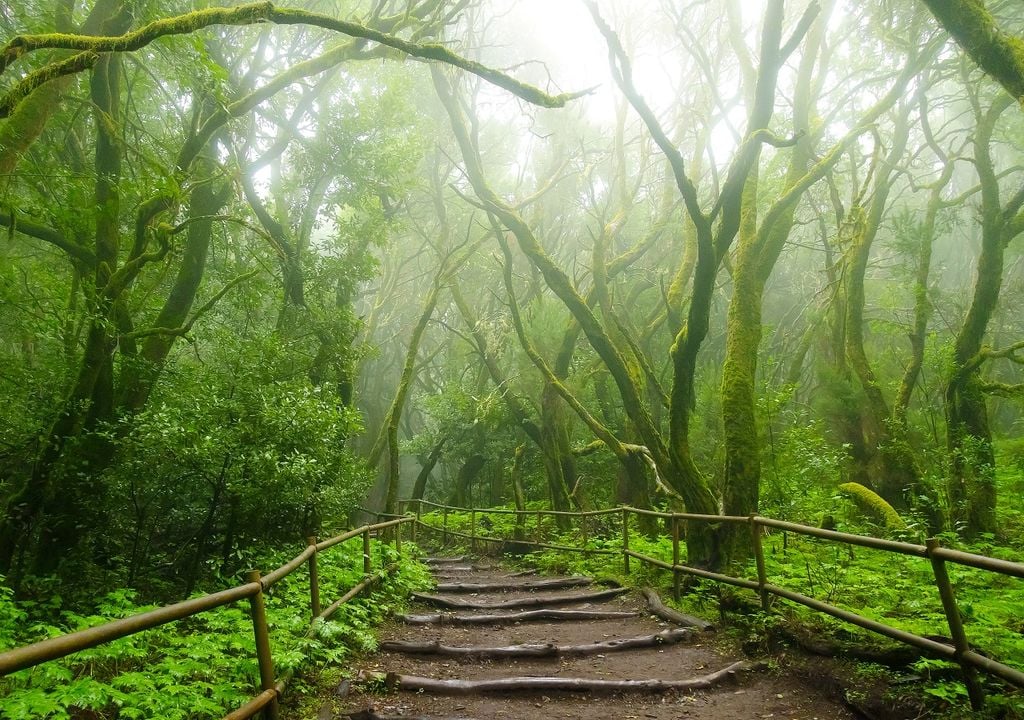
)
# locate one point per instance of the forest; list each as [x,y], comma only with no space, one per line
[276,270]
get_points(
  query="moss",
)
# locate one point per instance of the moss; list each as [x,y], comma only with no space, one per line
[245,15]
[975,29]
[871,503]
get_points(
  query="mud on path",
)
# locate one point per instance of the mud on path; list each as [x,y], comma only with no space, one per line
[755,693]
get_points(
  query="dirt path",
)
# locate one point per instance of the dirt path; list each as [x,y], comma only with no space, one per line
[746,693]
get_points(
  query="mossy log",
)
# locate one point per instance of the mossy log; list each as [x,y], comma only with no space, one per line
[873,504]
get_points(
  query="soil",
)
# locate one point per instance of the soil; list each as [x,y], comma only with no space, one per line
[756,695]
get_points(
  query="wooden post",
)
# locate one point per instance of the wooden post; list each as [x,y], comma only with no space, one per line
[261,633]
[956,625]
[762,574]
[367,560]
[675,558]
[398,539]
[536,529]
[583,529]
[472,529]
[444,527]
[314,581]
[625,540]
[417,521]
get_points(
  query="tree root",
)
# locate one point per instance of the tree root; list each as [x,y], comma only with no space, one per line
[666,613]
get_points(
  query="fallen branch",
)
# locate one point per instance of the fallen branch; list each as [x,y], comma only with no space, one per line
[525,616]
[519,602]
[548,684]
[553,584]
[659,608]
[535,650]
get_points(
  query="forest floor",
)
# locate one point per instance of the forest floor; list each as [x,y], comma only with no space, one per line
[754,690]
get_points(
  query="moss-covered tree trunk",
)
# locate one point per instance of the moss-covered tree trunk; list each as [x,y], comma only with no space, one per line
[999,54]
[972,481]
[387,436]
[140,374]
[559,462]
[61,491]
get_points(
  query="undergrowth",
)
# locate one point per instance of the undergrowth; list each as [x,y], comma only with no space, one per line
[203,666]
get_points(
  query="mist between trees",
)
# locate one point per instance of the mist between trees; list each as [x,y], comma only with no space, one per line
[265,264]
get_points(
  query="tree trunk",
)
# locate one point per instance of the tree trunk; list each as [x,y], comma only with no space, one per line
[972,481]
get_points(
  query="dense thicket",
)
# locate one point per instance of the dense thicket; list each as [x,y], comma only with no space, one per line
[772,251]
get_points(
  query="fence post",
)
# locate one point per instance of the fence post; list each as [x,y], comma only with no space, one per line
[762,574]
[625,540]
[367,559]
[472,529]
[956,625]
[536,529]
[398,539]
[675,558]
[416,522]
[314,581]
[261,633]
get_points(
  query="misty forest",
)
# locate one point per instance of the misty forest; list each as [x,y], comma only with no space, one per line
[273,272]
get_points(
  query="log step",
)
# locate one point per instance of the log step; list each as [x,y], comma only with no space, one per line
[444,560]
[414,683]
[459,604]
[524,616]
[554,584]
[541,650]
[369,714]
[446,569]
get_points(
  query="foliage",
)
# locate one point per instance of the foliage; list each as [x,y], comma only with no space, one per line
[205,665]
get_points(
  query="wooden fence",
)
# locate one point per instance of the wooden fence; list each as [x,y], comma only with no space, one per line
[959,651]
[256,585]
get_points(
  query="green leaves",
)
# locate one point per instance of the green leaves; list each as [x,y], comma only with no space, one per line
[205,665]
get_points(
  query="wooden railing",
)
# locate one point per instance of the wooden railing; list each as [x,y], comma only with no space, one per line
[253,590]
[959,651]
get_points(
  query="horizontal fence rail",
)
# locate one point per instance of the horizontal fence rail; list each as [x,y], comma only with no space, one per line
[959,650]
[253,590]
